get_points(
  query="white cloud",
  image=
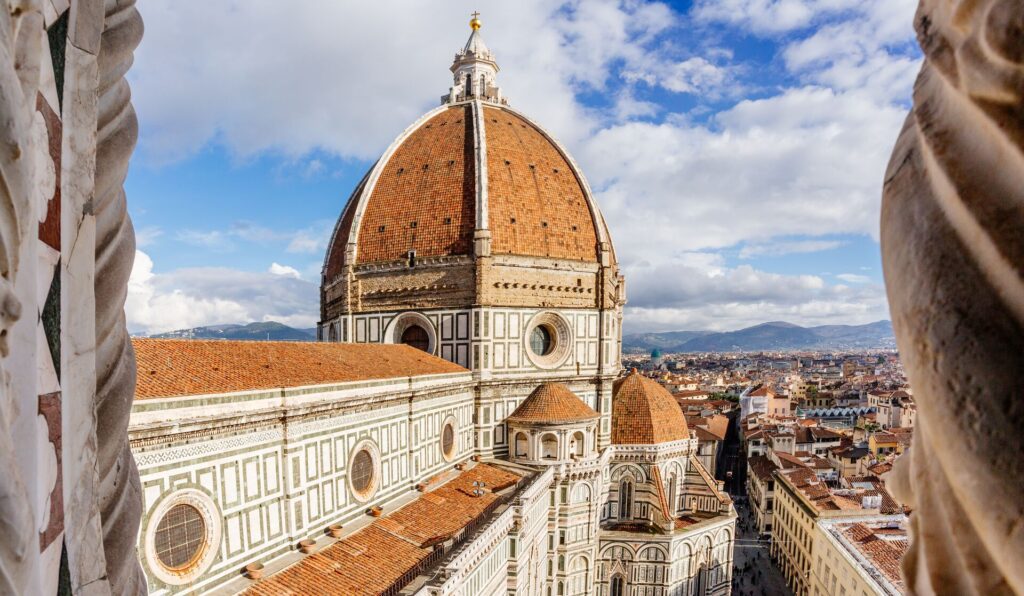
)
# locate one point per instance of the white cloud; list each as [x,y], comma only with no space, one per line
[693,75]
[347,77]
[184,298]
[769,16]
[678,296]
[853,278]
[311,240]
[873,51]
[777,249]
[211,239]
[808,161]
[285,270]
[147,236]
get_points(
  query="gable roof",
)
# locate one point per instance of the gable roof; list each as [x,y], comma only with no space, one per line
[645,413]
[176,367]
[553,403]
[378,556]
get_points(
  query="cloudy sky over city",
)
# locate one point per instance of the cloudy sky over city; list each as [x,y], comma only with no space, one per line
[736,147]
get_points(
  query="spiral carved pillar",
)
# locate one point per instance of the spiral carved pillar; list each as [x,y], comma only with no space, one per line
[117,129]
[953,254]
[20,26]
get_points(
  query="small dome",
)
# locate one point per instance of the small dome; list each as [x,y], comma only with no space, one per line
[645,413]
[553,403]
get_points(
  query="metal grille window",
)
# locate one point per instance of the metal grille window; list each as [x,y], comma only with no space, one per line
[362,472]
[180,537]
[448,440]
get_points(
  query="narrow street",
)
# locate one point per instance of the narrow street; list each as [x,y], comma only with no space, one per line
[754,573]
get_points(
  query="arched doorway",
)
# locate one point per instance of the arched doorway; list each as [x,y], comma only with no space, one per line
[417,337]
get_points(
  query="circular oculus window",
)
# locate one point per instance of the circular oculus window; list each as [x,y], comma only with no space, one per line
[363,472]
[412,329]
[542,340]
[548,340]
[448,439]
[182,537]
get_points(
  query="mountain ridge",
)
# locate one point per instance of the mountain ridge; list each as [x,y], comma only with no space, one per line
[770,336]
[261,331]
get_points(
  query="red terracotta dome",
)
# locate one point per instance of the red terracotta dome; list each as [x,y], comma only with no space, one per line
[553,403]
[645,413]
[465,167]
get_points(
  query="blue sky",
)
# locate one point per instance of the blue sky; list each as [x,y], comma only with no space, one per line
[737,147]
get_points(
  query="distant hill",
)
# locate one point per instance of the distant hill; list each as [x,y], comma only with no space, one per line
[254,331]
[776,335]
[662,341]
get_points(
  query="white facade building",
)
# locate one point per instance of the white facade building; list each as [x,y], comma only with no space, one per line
[496,452]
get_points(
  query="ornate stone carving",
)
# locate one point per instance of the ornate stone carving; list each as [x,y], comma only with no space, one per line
[953,252]
[116,131]
[21,33]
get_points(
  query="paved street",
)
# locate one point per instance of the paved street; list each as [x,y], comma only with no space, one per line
[754,574]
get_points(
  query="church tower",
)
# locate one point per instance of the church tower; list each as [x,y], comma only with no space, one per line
[475,237]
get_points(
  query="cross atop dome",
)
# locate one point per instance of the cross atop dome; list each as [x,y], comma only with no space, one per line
[475,70]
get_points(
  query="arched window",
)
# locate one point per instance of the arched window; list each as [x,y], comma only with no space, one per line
[672,487]
[332,332]
[578,444]
[617,585]
[417,337]
[469,84]
[626,500]
[549,447]
[702,580]
[521,443]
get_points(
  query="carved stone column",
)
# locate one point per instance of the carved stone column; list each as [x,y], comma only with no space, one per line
[68,483]
[21,30]
[120,495]
[953,253]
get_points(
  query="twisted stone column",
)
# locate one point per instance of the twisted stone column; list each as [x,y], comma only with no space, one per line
[21,25]
[953,254]
[120,495]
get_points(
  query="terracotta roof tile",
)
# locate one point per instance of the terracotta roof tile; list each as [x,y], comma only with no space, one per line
[645,413]
[173,367]
[762,467]
[553,403]
[425,197]
[529,181]
[374,558]
[882,546]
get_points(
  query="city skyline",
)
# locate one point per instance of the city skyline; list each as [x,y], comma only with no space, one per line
[660,103]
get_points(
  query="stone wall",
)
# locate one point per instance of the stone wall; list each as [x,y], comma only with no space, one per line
[267,475]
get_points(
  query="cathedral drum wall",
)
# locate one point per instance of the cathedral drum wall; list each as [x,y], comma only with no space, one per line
[495,340]
[273,467]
